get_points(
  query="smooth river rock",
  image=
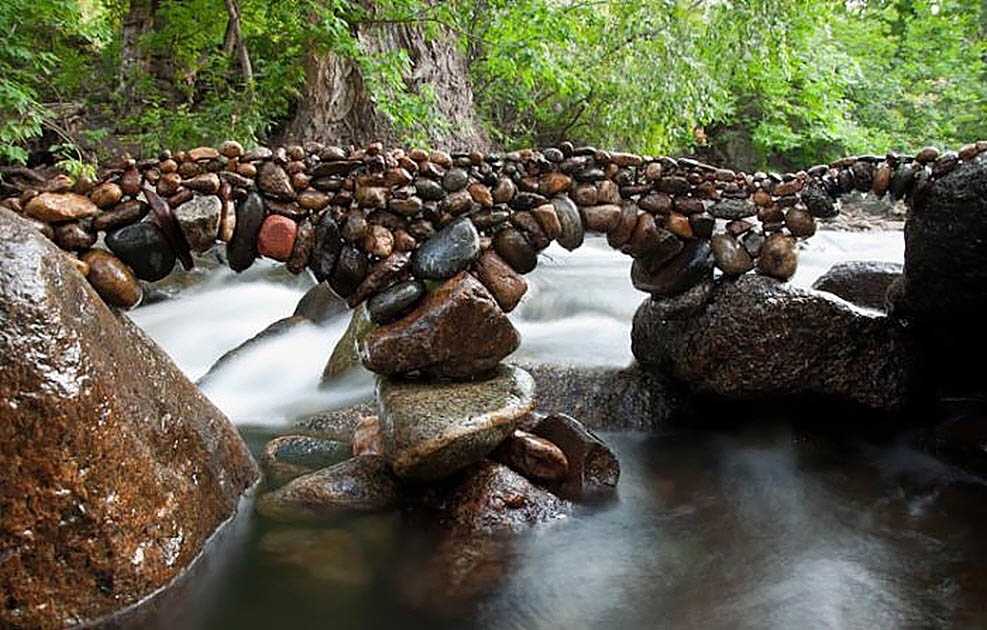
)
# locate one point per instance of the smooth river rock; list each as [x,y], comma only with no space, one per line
[457,331]
[758,338]
[113,280]
[289,456]
[433,429]
[360,484]
[450,251]
[114,468]
[199,219]
[592,467]
[52,207]
[241,251]
[144,248]
[532,456]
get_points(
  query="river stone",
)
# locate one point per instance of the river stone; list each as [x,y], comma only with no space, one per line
[350,271]
[276,237]
[320,305]
[53,207]
[113,280]
[198,219]
[429,190]
[241,251]
[368,437]
[862,283]
[800,222]
[760,338]
[455,180]
[328,244]
[383,274]
[73,236]
[275,182]
[514,249]
[114,469]
[778,258]
[451,250]
[533,456]
[571,222]
[730,255]
[819,203]
[360,484]
[505,285]
[732,209]
[431,429]
[394,301]
[290,456]
[143,248]
[592,467]
[691,266]
[457,331]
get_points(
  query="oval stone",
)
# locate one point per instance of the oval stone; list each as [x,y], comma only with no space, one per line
[113,280]
[778,258]
[514,248]
[276,238]
[451,250]
[730,255]
[241,251]
[350,270]
[733,209]
[571,222]
[393,302]
[144,248]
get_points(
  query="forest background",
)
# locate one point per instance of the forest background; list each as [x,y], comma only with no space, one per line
[749,83]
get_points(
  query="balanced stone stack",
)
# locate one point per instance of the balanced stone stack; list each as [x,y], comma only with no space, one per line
[384,224]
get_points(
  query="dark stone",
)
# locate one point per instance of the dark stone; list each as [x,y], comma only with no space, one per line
[275,182]
[730,255]
[349,272]
[819,203]
[759,338]
[106,448]
[328,244]
[144,249]
[393,302]
[119,215]
[691,266]
[73,236]
[457,331]
[383,274]
[861,283]
[429,190]
[732,209]
[515,250]
[593,466]
[702,225]
[290,456]
[450,251]
[276,329]
[241,251]
[455,180]
[320,305]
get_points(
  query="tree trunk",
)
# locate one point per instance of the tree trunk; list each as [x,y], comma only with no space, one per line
[337,108]
[233,43]
[133,60]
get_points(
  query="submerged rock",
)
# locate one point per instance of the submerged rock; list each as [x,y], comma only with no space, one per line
[759,338]
[433,429]
[114,468]
[360,484]
[290,456]
[457,331]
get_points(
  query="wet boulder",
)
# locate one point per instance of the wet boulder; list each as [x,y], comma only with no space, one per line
[114,468]
[758,337]
[862,283]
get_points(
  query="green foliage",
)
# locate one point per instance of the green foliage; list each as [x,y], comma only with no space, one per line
[794,81]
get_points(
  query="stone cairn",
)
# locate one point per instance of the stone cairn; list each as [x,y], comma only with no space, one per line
[432,247]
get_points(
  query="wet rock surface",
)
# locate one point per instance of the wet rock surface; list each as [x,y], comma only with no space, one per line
[115,469]
[759,338]
[862,283]
[592,468]
[433,429]
[457,331]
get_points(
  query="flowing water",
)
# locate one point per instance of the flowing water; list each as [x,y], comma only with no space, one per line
[769,526]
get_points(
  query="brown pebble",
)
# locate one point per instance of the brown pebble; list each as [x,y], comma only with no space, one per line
[777,257]
[800,223]
[112,279]
[678,224]
[73,236]
[106,194]
[506,285]
[378,241]
[601,218]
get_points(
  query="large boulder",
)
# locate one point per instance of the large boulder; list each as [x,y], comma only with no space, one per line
[114,469]
[759,337]
[861,283]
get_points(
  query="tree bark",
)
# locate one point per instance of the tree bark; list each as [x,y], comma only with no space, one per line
[337,108]
[233,43]
[138,23]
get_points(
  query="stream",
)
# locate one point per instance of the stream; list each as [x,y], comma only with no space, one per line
[772,525]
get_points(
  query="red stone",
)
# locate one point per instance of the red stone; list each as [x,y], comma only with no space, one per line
[277,237]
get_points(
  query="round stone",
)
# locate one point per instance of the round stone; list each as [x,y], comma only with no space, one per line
[113,280]
[819,203]
[455,180]
[800,223]
[514,248]
[144,248]
[241,251]
[571,222]
[276,238]
[429,190]
[730,256]
[778,258]
[350,270]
